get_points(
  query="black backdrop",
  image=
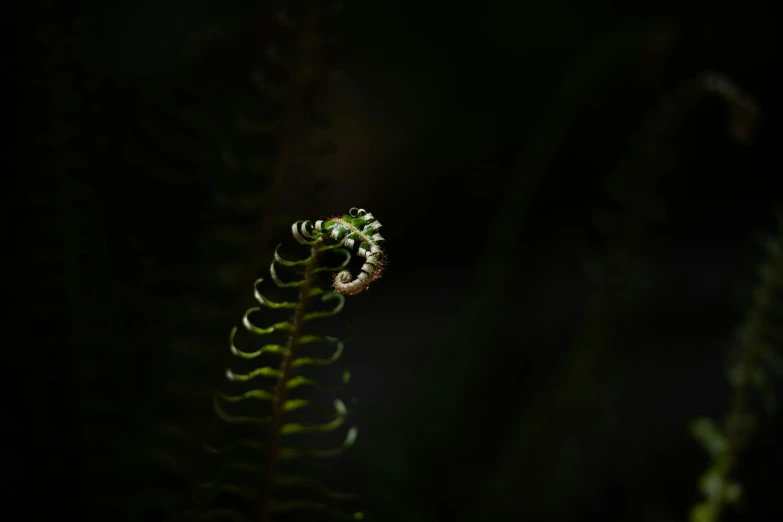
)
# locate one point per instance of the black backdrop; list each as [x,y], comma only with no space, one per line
[517,361]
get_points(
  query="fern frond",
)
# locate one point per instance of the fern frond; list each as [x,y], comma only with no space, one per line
[293,344]
[760,354]
[632,187]
[654,154]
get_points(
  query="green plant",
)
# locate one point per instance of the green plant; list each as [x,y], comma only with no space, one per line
[586,383]
[248,149]
[326,240]
[756,337]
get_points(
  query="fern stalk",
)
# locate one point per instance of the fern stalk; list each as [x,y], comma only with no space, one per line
[280,389]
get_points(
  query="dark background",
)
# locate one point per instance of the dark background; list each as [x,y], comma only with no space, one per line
[518,361]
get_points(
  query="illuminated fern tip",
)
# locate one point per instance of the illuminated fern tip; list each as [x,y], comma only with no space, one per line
[327,241]
[358,227]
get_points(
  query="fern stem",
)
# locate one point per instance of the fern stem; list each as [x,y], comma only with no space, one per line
[286,367]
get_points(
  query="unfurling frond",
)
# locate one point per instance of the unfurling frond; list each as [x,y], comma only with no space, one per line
[286,385]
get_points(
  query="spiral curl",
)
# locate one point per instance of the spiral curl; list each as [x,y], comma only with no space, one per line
[357,227]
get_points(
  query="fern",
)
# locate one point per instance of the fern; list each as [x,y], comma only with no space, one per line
[325,239]
[179,132]
[587,376]
[756,337]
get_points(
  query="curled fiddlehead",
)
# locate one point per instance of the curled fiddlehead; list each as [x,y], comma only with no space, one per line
[294,347]
[358,226]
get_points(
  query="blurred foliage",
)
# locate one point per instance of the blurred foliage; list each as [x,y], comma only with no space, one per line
[758,359]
